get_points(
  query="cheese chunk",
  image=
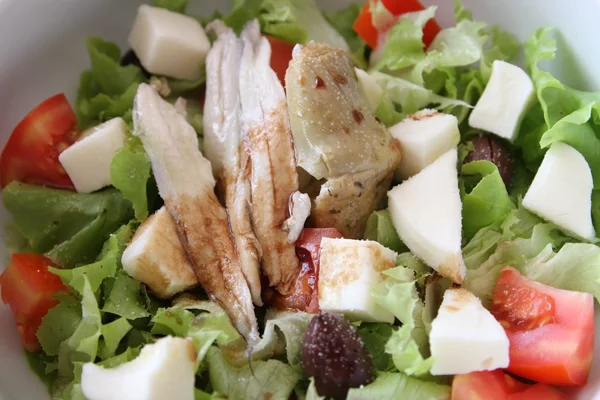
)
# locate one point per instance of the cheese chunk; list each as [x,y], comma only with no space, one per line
[504,101]
[348,271]
[561,191]
[169,43]
[163,370]
[465,337]
[156,257]
[424,137]
[87,161]
[427,213]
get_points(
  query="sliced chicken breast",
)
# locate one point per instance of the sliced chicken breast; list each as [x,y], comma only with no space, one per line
[272,172]
[186,184]
[225,150]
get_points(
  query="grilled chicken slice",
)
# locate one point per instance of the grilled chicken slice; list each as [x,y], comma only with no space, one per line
[226,152]
[338,138]
[273,177]
[186,184]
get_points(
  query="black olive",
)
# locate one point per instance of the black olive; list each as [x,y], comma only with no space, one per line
[335,356]
[130,58]
[491,148]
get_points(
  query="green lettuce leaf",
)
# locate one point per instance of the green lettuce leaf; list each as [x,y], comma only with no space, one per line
[392,386]
[374,337]
[112,334]
[408,345]
[503,46]
[178,6]
[82,345]
[343,20]
[271,378]
[486,200]
[411,97]
[107,89]
[381,229]
[59,324]
[71,227]
[130,170]
[124,298]
[298,21]
[404,45]
[107,265]
[536,258]
[181,87]
[128,355]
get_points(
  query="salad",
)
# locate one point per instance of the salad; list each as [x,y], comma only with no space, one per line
[289,203]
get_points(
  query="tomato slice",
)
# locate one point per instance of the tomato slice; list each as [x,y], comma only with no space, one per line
[28,288]
[305,297]
[369,33]
[496,385]
[551,331]
[539,392]
[31,154]
[281,55]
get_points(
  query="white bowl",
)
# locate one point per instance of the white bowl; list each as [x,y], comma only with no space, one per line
[42,52]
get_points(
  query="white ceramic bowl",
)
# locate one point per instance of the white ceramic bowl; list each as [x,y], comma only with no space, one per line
[42,52]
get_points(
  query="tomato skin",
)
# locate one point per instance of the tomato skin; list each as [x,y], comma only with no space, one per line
[281,55]
[538,392]
[496,385]
[28,288]
[558,352]
[31,153]
[369,33]
[305,297]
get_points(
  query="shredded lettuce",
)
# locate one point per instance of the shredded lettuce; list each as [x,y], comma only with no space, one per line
[70,227]
[486,200]
[123,297]
[107,89]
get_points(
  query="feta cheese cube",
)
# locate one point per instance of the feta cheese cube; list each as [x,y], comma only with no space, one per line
[465,337]
[169,43]
[424,137]
[163,370]
[156,257]
[87,161]
[348,271]
[504,101]
[561,191]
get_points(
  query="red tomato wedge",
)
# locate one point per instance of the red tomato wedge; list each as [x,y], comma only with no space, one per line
[369,33]
[484,385]
[281,55]
[28,288]
[305,296]
[551,331]
[539,392]
[31,154]
[496,385]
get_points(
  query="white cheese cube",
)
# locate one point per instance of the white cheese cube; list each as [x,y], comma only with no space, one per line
[427,213]
[424,137]
[465,337]
[348,271]
[504,101]
[169,43]
[156,257]
[163,370]
[561,191]
[371,89]
[87,161]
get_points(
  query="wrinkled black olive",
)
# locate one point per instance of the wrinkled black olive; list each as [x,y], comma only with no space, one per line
[334,354]
[129,58]
[491,148]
